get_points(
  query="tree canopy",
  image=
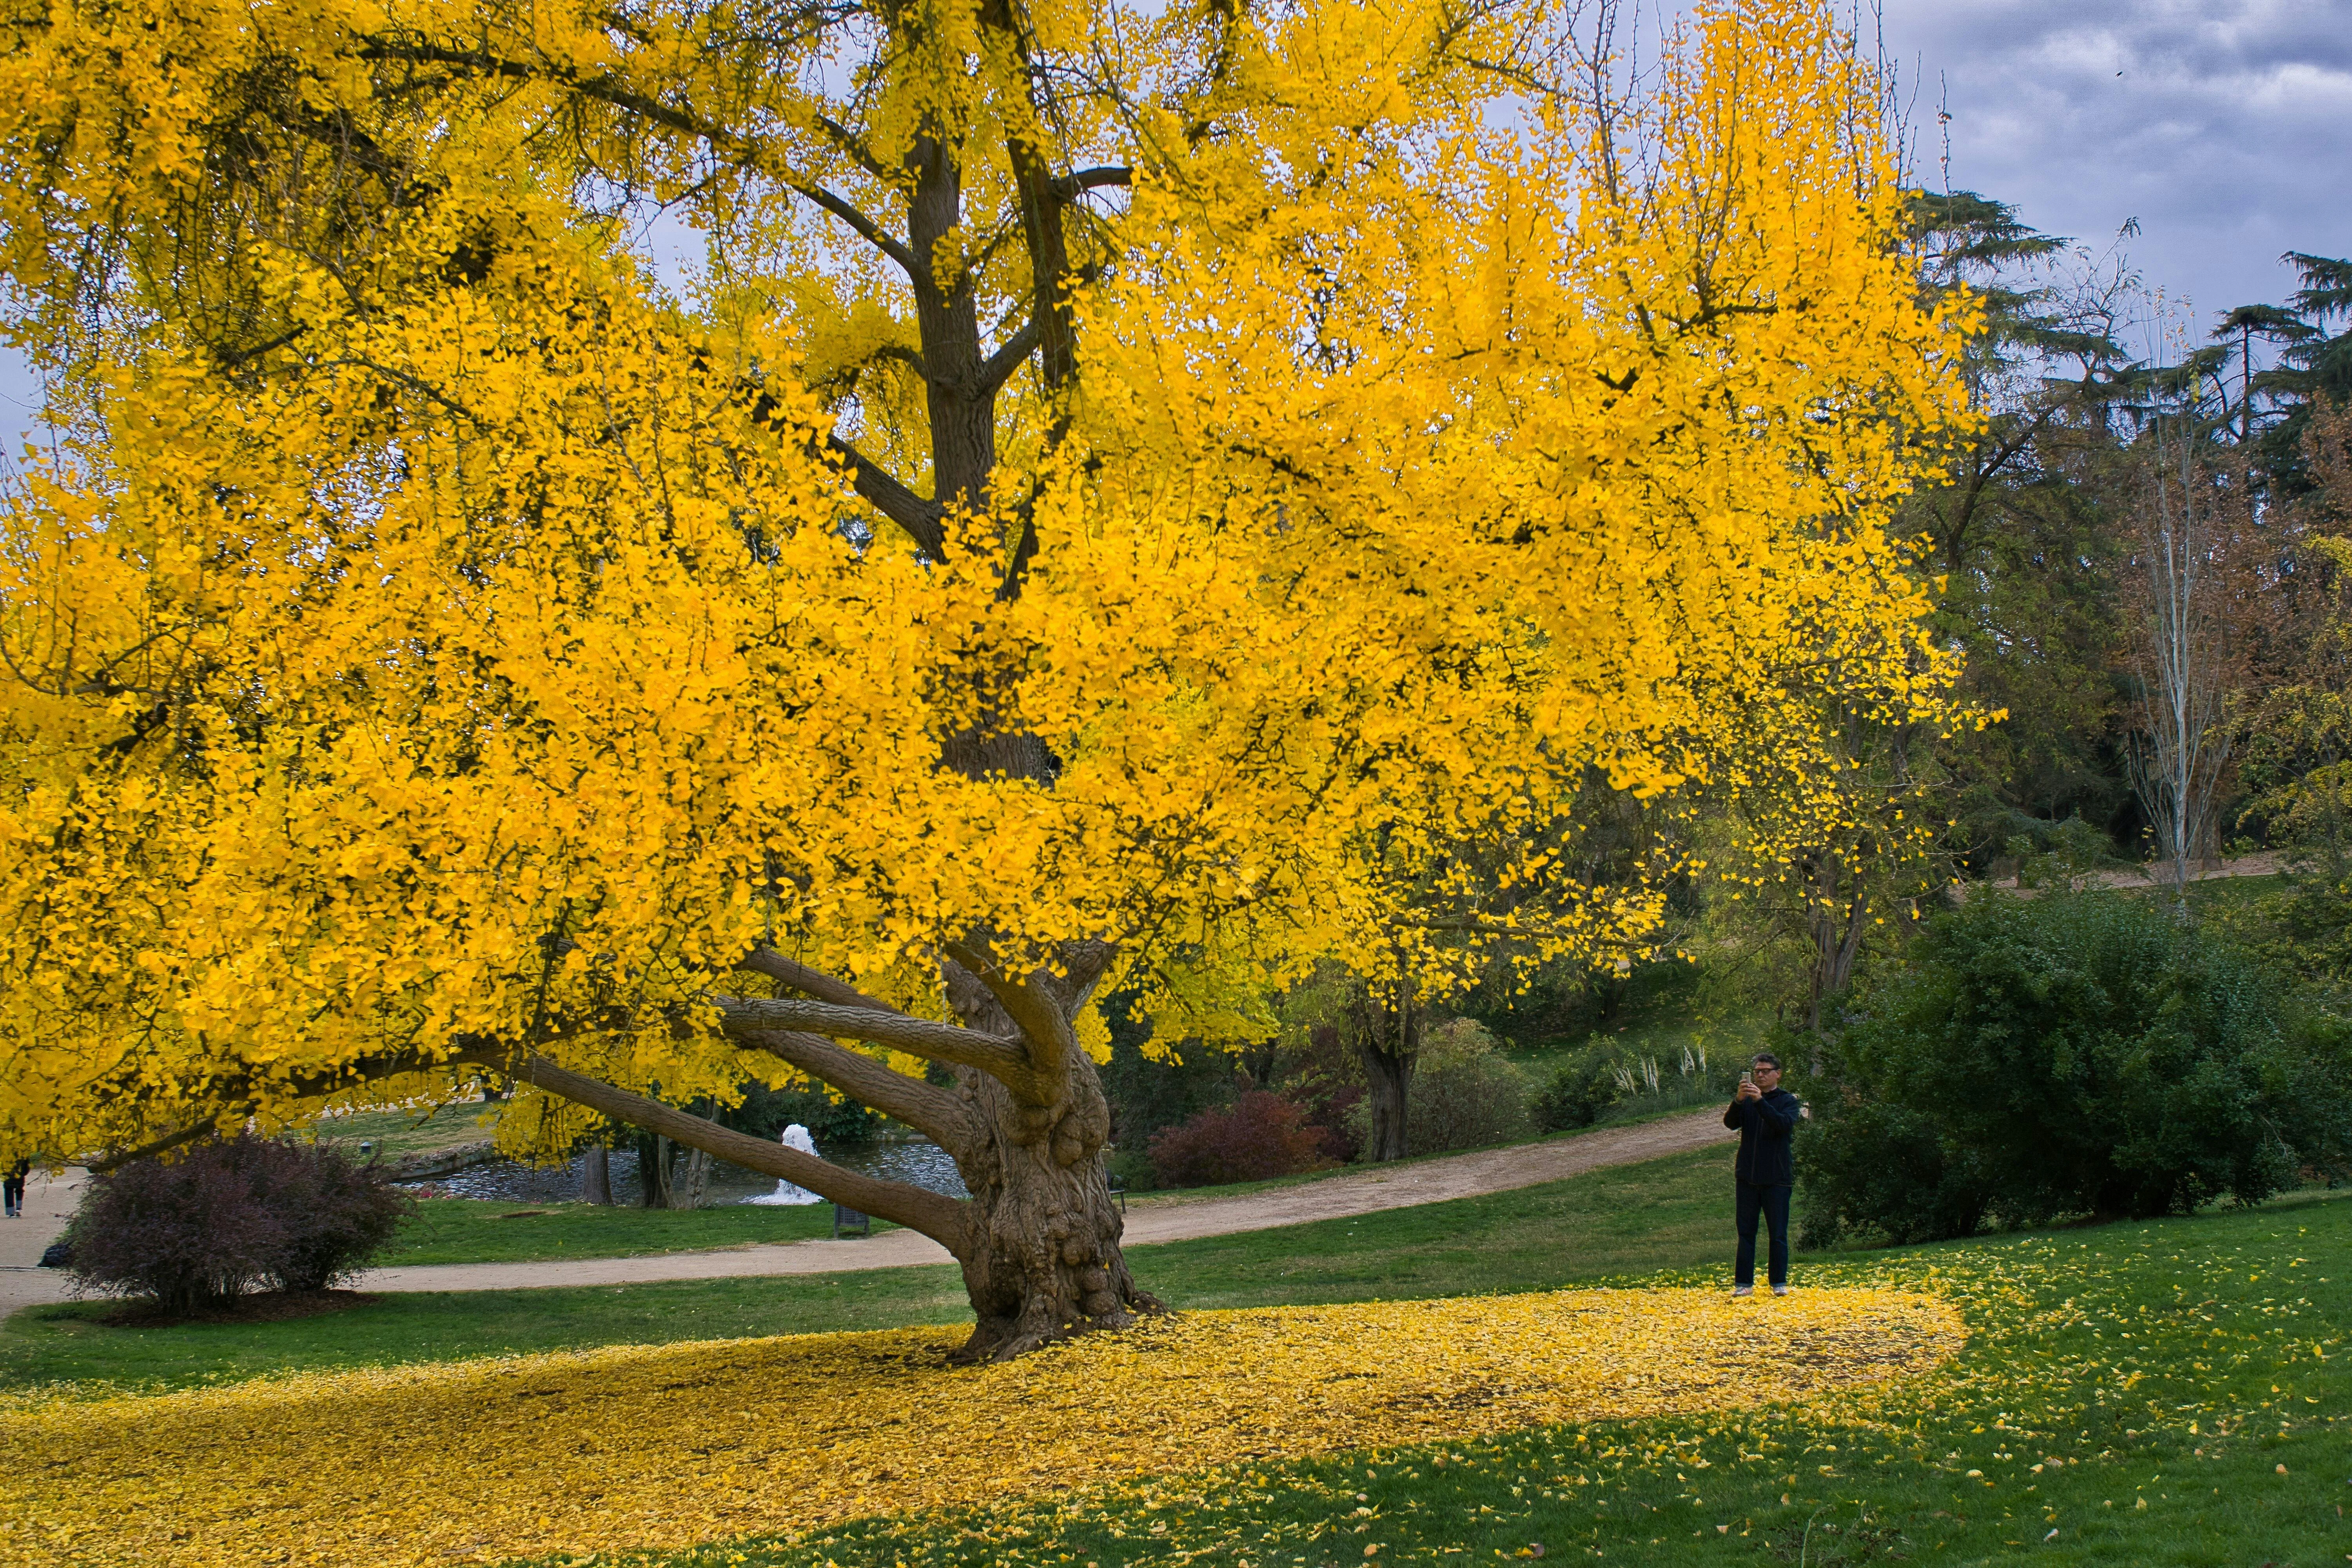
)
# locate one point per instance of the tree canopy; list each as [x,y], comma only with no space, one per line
[1117,480]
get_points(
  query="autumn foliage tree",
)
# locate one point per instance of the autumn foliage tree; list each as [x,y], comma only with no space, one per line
[1115,469]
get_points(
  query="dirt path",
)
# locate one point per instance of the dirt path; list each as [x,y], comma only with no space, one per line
[1173,1217]
[2266,863]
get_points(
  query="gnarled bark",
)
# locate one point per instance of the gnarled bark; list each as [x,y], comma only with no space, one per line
[1041,1259]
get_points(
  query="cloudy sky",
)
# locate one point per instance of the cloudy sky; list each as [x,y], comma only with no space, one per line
[2223,126]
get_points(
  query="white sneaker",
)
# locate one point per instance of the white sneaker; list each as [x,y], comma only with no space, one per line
[1779,1290]
[1743,1289]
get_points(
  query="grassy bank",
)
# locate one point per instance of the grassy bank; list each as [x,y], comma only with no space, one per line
[397,1132]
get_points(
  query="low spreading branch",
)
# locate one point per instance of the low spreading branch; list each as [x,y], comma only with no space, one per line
[795,975]
[940,1218]
[923,520]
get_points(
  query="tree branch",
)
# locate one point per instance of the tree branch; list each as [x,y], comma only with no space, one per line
[992,1054]
[922,520]
[811,981]
[851,143]
[741,150]
[937,1115]
[1070,187]
[940,1218]
[866,227]
[1038,1014]
[1008,358]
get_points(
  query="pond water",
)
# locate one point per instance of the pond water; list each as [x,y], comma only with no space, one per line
[907,1157]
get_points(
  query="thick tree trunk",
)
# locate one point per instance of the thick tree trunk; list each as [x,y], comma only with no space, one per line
[1041,1253]
[1041,1245]
[1389,1092]
[596,1176]
[1384,1026]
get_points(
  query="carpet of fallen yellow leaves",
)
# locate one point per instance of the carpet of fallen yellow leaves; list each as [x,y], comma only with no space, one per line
[665,1445]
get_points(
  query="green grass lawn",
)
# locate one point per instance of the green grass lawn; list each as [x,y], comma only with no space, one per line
[398,1132]
[2189,1378]
[2174,1367]
[470,1230]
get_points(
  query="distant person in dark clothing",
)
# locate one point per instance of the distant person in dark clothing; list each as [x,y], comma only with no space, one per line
[1766,1116]
[13,1187]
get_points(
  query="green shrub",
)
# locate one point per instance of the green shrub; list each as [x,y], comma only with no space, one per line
[1131,1168]
[2073,1054]
[1580,1093]
[1464,1095]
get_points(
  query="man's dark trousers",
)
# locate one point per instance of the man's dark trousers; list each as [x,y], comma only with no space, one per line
[1763,1174]
[1771,1204]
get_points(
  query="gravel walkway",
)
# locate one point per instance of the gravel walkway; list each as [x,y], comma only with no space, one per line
[1169,1217]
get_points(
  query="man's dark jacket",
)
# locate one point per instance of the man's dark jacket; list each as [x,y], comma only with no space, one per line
[1765,1126]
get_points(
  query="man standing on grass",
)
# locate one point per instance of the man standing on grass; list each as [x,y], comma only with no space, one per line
[1766,1116]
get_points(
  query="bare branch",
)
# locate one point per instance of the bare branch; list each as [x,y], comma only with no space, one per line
[851,143]
[811,981]
[866,227]
[1069,188]
[1009,357]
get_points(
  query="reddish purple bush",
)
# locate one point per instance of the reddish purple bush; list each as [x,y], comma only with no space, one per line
[1326,1083]
[229,1217]
[1326,1112]
[1257,1136]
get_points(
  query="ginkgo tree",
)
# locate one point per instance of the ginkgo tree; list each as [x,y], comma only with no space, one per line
[1116,469]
